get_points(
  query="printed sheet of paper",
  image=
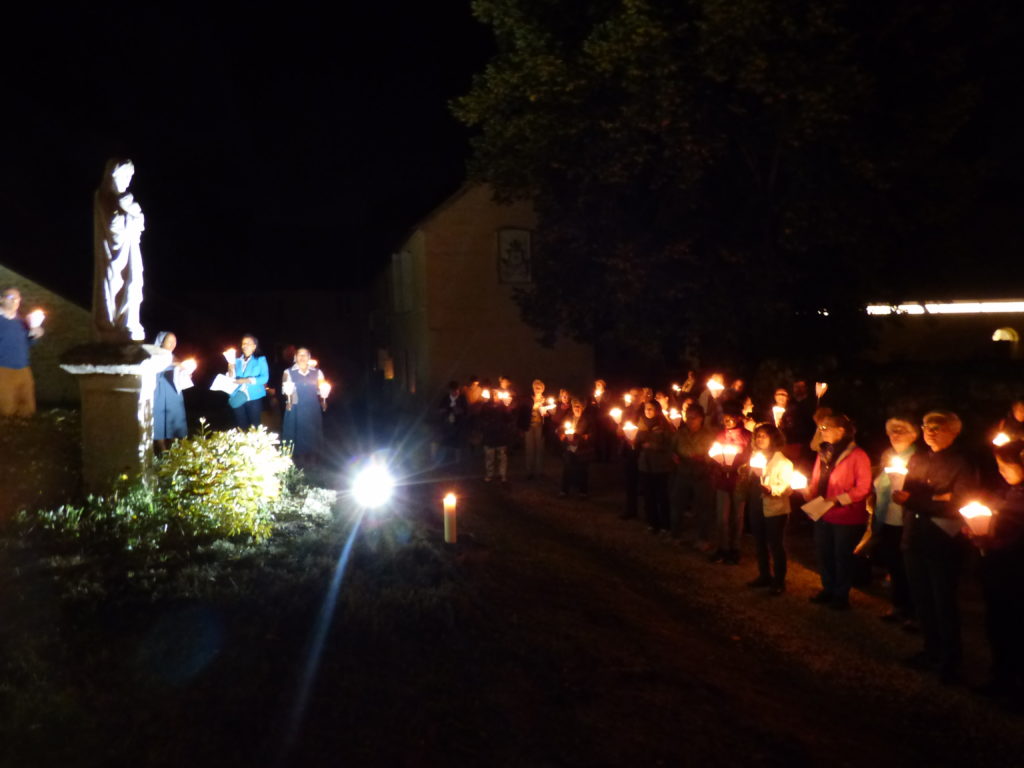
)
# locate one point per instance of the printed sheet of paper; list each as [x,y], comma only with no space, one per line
[223,384]
[815,508]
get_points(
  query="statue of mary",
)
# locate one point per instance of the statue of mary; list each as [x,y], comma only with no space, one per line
[117,282]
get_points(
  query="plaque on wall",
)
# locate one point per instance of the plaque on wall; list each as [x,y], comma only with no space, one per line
[514,256]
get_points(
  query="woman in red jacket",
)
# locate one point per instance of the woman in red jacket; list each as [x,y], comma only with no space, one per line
[842,477]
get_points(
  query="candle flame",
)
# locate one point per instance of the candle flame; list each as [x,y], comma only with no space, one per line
[676,388]
[190,365]
[486,394]
[758,461]
[551,401]
[975,509]
[820,387]
[568,428]
[716,450]
[628,399]
[715,385]
[325,389]
[449,499]
[629,429]
[797,481]
[35,318]
[1001,439]
[896,466]
[778,412]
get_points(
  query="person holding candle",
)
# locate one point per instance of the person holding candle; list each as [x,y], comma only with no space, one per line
[534,434]
[767,491]
[251,374]
[17,387]
[939,482]
[497,425]
[305,391]
[691,488]
[885,530]
[729,452]
[1002,580]
[842,477]
[654,462]
[577,436]
[557,417]
[1012,425]
[169,421]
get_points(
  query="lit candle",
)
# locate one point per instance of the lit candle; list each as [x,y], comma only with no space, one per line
[450,532]
[189,366]
[675,416]
[616,414]
[35,318]
[568,428]
[1001,439]
[314,363]
[676,388]
[797,481]
[325,389]
[758,461]
[229,355]
[715,387]
[730,452]
[504,396]
[978,517]
[629,430]
[820,387]
[777,413]
[288,388]
[486,394]
[897,472]
[627,399]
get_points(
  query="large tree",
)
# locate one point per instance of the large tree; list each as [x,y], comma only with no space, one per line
[716,175]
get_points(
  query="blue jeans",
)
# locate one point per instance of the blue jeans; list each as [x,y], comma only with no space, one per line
[834,545]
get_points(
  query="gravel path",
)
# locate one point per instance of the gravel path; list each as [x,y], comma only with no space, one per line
[611,646]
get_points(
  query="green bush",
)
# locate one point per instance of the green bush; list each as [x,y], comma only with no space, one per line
[213,485]
[222,484]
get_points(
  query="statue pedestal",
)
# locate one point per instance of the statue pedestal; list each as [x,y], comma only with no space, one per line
[117,383]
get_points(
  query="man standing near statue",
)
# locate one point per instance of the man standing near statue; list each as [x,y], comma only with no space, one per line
[17,389]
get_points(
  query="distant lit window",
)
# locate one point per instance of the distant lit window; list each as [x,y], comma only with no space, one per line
[1006,334]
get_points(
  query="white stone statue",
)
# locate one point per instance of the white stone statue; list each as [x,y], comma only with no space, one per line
[117,282]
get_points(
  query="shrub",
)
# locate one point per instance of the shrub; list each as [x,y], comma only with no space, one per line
[222,484]
[212,485]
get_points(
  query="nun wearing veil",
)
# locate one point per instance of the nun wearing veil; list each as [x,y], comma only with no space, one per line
[169,422]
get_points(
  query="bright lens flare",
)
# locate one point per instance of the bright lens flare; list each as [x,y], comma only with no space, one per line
[373,486]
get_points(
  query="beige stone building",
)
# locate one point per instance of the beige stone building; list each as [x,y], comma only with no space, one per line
[446,308]
[67,325]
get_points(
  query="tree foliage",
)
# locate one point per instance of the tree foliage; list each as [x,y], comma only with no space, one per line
[711,174]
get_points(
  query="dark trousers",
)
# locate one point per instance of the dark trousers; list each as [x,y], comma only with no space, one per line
[768,535]
[655,487]
[933,565]
[691,493]
[248,414]
[888,554]
[631,478]
[834,545]
[1002,579]
[575,473]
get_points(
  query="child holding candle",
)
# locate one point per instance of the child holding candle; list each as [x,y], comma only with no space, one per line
[885,530]
[767,499]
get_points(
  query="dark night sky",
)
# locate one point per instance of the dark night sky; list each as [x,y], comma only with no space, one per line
[293,142]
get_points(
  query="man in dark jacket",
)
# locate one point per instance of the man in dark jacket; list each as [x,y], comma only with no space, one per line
[939,482]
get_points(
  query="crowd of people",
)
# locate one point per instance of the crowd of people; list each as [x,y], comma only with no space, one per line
[711,458]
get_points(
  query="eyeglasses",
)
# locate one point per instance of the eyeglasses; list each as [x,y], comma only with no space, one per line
[933,427]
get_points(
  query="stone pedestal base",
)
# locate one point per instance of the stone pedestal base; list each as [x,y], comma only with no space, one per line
[117,383]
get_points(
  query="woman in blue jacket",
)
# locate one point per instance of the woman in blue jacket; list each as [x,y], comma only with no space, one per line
[251,374]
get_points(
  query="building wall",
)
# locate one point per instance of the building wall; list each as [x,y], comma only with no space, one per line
[945,338]
[473,321]
[67,325]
